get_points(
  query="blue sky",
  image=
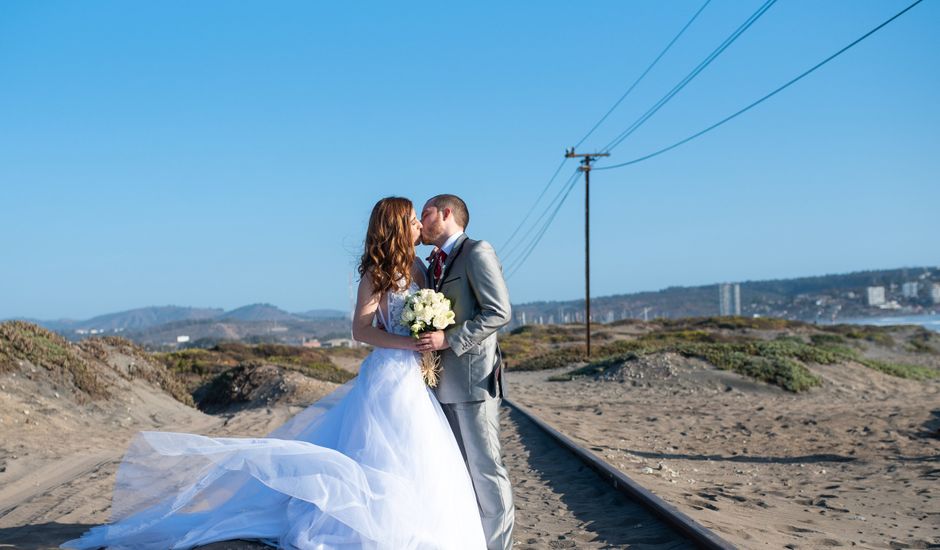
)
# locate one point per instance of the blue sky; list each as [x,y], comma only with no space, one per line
[216,154]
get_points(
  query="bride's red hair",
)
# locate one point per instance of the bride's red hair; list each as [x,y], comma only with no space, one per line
[389,251]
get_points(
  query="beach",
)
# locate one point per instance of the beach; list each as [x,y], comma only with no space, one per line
[851,461]
[855,463]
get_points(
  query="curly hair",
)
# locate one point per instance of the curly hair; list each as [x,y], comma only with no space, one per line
[389,251]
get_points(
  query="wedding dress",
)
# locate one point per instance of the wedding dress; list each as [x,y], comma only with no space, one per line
[373,465]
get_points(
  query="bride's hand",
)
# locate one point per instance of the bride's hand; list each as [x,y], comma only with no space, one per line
[433,341]
[413,344]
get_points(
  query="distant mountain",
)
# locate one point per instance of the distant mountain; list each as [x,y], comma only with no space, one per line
[207,332]
[162,327]
[324,314]
[820,298]
[134,319]
[258,312]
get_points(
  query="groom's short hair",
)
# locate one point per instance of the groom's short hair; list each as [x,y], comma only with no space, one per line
[457,207]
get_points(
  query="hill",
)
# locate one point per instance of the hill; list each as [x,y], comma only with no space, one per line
[826,297]
[778,352]
[133,319]
[259,312]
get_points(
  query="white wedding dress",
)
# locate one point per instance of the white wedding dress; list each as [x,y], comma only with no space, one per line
[372,465]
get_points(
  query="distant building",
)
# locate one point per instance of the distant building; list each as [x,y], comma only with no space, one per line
[910,290]
[182,339]
[935,293]
[311,343]
[875,295]
[340,343]
[729,299]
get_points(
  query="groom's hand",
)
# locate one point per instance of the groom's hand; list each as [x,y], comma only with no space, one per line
[433,341]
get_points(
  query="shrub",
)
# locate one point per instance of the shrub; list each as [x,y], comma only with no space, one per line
[20,340]
[551,360]
[901,370]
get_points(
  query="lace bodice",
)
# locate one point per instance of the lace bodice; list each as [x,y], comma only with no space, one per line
[390,312]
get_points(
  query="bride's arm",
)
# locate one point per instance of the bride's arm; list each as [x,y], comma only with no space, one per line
[363,331]
[419,273]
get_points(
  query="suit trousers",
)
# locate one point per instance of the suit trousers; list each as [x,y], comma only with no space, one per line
[476,427]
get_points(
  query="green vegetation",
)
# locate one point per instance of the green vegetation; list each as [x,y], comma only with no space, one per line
[871,333]
[22,341]
[145,369]
[924,341]
[195,367]
[902,370]
[781,361]
[730,323]
[826,339]
[774,362]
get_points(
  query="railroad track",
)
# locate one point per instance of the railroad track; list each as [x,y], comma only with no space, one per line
[675,529]
[565,497]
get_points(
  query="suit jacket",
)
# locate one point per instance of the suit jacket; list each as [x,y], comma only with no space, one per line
[473,281]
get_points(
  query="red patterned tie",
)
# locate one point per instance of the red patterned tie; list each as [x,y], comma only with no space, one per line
[438,264]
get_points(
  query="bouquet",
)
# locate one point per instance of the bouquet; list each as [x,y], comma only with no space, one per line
[427,310]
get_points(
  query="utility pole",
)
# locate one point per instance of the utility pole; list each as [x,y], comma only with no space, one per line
[586,160]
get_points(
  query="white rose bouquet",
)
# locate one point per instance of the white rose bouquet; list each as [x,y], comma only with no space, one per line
[427,310]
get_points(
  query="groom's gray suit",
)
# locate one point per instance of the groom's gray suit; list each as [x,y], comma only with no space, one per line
[471,376]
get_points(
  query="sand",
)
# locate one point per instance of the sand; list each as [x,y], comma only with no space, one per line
[852,463]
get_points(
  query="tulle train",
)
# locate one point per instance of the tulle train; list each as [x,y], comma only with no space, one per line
[372,465]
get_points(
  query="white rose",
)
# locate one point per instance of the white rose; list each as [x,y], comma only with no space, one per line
[408,315]
[444,320]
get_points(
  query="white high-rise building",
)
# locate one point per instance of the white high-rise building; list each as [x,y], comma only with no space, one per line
[935,293]
[875,295]
[910,290]
[729,299]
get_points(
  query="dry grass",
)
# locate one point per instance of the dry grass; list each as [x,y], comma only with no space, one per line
[26,342]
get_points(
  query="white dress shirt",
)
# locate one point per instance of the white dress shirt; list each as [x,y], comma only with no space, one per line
[449,244]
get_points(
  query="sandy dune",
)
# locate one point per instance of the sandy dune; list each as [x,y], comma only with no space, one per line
[853,463]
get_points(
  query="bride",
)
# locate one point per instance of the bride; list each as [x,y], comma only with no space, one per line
[372,465]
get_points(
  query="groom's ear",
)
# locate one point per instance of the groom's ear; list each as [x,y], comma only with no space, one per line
[446,213]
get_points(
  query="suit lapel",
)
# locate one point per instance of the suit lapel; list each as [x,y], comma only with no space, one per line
[429,276]
[451,258]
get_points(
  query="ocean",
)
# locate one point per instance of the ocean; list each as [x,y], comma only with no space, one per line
[931,322]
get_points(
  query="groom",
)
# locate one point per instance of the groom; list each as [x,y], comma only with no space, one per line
[470,385]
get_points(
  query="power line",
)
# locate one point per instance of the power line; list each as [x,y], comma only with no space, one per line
[538,223]
[545,227]
[766,97]
[695,72]
[532,209]
[648,69]
[548,208]
[599,122]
